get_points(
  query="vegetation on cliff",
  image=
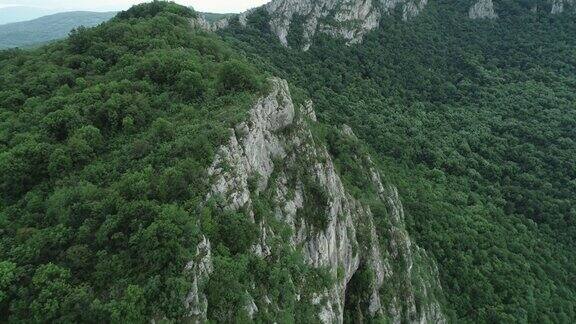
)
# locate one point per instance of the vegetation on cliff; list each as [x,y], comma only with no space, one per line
[475,122]
[106,139]
[104,144]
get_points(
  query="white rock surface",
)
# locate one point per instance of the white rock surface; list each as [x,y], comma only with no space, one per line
[482,9]
[350,20]
[347,19]
[272,146]
[199,269]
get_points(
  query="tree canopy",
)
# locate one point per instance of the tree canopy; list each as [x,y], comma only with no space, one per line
[104,145]
[475,120]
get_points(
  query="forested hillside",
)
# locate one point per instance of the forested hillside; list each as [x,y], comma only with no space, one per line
[475,119]
[152,171]
[105,139]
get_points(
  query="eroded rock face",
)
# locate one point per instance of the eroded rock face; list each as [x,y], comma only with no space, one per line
[410,261]
[483,9]
[275,152]
[199,269]
[347,19]
[350,20]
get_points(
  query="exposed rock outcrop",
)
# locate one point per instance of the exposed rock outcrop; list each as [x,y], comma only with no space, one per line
[274,152]
[483,9]
[199,269]
[347,19]
[350,20]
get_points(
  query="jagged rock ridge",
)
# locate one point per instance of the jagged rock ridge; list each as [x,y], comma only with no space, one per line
[275,146]
[350,19]
[347,19]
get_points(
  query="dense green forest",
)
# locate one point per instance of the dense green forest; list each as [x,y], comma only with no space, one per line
[475,120]
[105,139]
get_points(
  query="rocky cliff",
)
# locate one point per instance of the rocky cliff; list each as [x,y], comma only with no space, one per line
[347,19]
[351,19]
[274,158]
[483,9]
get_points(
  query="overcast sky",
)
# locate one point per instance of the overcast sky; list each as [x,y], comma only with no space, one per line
[220,6]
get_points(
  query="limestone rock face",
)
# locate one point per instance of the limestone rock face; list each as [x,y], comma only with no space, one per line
[275,152]
[348,19]
[199,269]
[483,9]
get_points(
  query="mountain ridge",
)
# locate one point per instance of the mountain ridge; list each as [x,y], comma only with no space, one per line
[269,149]
[12,14]
[351,20]
[457,108]
[48,28]
[156,172]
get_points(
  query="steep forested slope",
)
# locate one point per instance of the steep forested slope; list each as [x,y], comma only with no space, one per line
[149,172]
[475,118]
[105,141]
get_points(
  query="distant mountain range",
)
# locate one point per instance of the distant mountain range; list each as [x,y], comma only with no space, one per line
[48,28]
[14,14]
[25,34]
